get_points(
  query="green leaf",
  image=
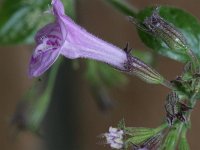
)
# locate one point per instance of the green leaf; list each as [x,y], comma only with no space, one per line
[187,24]
[138,135]
[139,131]
[21,19]
[139,139]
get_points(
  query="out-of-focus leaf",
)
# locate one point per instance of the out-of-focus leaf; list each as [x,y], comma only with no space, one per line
[21,19]
[123,7]
[100,77]
[32,109]
[102,74]
[145,56]
[183,21]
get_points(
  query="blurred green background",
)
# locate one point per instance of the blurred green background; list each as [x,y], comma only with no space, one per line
[74,121]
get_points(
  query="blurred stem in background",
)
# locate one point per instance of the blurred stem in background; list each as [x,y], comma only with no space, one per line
[38,110]
[124,7]
[61,125]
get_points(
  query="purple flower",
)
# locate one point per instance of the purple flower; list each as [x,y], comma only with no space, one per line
[69,39]
[64,37]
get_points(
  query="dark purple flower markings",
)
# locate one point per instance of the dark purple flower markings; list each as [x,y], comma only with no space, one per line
[48,40]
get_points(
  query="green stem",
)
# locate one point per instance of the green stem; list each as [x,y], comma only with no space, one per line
[182,127]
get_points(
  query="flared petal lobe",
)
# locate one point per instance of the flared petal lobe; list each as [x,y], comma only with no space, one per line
[49,41]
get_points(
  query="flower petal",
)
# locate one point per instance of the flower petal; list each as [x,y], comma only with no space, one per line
[85,45]
[49,41]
